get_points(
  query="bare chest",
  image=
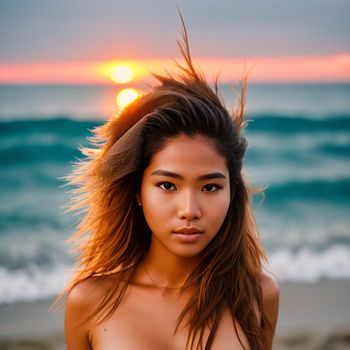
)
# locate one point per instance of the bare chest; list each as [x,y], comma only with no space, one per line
[147,320]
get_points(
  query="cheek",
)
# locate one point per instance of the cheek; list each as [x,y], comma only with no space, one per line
[153,205]
[217,210]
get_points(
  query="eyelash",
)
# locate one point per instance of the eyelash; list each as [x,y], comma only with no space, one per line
[161,185]
[217,187]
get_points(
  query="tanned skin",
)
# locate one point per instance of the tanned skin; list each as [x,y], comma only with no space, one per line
[176,191]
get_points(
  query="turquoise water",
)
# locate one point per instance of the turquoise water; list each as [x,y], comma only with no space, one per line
[299,150]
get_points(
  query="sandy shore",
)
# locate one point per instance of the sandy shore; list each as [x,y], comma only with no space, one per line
[312,316]
[25,326]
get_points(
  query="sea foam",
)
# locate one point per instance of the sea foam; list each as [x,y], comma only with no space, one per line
[306,266]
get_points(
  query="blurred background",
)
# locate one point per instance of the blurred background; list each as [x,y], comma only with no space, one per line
[68,66]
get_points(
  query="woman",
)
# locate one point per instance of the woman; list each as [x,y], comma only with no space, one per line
[171,257]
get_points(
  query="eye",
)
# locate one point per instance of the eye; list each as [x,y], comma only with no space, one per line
[211,188]
[167,186]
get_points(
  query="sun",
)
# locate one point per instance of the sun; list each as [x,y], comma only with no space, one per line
[122,73]
[126,96]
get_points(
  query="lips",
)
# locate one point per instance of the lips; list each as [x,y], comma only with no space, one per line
[187,234]
[188,231]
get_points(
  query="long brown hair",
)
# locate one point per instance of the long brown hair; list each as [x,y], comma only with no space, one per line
[228,275]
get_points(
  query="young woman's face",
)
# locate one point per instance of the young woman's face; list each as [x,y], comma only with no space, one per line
[185,195]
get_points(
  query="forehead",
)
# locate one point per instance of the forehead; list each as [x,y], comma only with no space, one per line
[185,154]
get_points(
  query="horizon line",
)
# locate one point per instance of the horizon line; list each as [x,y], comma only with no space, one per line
[289,69]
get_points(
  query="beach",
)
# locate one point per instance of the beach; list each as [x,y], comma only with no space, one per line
[312,316]
[297,151]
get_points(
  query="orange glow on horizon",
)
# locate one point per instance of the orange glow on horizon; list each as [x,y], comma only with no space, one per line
[299,69]
[121,74]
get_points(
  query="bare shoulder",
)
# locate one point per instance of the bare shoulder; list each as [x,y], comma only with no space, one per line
[81,303]
[85,293]
[270,296]
[85,297]
[270,287]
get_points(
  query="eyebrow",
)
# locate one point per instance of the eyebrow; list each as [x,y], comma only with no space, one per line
[210,176]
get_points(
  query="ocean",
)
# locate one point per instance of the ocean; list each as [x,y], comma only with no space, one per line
[299,152]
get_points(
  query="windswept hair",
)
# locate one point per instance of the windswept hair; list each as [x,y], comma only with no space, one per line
[106,183]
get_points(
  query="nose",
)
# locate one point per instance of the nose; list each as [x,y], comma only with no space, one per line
[189,208]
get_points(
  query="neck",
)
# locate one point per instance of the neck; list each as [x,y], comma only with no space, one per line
[168,272]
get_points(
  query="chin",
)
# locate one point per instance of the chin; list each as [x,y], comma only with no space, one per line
[187,252]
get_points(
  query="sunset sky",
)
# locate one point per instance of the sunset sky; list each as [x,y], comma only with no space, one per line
[94,42]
